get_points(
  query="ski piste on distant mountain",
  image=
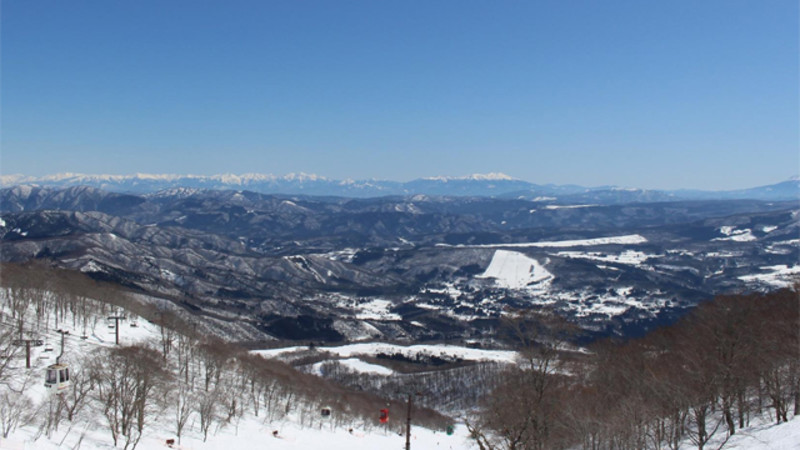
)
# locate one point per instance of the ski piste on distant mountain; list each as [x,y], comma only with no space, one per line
[478,185]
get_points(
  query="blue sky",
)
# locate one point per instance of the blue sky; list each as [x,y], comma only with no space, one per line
[694,94]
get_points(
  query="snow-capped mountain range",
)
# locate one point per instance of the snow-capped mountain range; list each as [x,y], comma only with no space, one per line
[481,185]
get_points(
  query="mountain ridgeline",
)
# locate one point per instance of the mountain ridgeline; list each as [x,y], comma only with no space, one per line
[414,267]
[480,185]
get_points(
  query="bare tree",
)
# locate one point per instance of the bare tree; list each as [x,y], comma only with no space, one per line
[16,408]
[183,401]
[207,404]
[524,411]
[131,384]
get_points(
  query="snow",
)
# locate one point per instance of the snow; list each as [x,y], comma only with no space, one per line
[2,222]
[255,434]
[631,257]
[763,434]
[492,176]
[514,270]
[376,310]
[630,239]
[345,254]
[357,365]
[724,254]
[567,206]
[375,348]
[302,263]
[732,234]
[91,266]
[779,276]
[246,432]
[448,289]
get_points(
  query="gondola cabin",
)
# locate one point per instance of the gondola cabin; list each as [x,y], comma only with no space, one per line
[57,378]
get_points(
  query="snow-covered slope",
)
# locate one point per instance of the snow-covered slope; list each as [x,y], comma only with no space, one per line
[513,270]
[785,436]
[295,430]
[374,348]
[763,434]
[251,434]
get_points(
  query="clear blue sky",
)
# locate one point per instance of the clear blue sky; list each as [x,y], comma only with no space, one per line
[654,94]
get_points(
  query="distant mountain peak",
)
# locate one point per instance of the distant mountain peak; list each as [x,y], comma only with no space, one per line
[491,176]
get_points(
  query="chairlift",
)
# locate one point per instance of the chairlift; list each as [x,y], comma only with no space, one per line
[134,324]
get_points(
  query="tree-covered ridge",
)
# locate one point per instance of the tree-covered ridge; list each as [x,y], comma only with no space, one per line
[728,360]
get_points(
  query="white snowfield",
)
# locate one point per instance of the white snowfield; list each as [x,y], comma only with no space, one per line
[780,276]
[252,433]
[732,234]
[568,206]
[629,239]
[763,434]
[631,257]
[513,270]
[376,309]
[375,348]
[356,365]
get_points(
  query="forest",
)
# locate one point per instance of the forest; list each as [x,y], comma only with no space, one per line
[730,358]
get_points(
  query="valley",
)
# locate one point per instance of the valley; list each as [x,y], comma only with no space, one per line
[415,269]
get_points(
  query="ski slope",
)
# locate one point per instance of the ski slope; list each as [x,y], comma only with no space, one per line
[247,432]
[514,270]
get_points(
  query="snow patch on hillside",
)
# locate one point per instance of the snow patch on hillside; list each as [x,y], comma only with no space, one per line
[630,239]
[779,276]
[514,270]
[376,310]
[762,434]
[631,257]
[410,351]
[355,365]
[567,206]
[732,234]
